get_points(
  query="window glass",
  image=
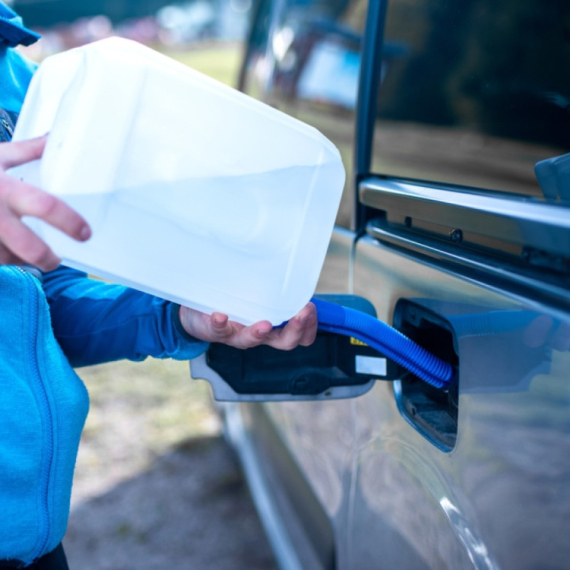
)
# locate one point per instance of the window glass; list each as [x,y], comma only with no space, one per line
[253,75]
[477,93]
[308,67]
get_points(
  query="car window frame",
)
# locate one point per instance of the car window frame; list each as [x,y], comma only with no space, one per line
[373,194]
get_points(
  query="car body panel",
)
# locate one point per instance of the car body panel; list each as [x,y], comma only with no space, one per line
[320,436]
[501,496]
[396,495]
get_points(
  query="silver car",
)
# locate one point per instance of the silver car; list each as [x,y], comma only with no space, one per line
[453,120]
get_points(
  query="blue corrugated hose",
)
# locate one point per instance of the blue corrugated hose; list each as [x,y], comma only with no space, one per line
[382,337]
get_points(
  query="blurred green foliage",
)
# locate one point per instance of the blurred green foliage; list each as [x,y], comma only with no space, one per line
[218,61]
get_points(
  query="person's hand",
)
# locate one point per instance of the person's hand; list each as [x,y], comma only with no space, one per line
[300,330]
[19,244]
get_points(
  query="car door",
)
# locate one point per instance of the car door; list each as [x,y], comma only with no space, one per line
[452,120]
[465,247]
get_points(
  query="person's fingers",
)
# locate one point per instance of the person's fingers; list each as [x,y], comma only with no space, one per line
[19,243]
[212,328]
[300,330]
[253,335]
[16,153]
[289,336]
[8,258]
[25,244]
[311,325]
[220,329]
[217,327]
[26,200]
[238,335]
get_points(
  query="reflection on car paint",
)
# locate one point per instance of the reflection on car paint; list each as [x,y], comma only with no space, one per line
[553,175]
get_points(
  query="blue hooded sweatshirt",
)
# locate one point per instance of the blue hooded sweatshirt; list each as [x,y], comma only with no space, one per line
[49,324]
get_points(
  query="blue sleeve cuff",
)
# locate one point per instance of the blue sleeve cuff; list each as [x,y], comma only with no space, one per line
[188,346]
[98,322]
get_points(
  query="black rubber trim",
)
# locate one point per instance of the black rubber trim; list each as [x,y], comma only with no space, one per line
[369,80]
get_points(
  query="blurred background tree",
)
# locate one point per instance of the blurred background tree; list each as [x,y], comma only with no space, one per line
[42,13]
[39,13]
[68,23]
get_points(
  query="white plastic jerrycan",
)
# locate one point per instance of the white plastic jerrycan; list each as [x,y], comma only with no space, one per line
[195,192]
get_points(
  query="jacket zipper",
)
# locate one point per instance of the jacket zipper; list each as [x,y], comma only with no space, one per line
[8,127]
[45,410]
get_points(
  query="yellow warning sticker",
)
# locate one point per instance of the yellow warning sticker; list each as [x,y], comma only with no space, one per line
[357,342]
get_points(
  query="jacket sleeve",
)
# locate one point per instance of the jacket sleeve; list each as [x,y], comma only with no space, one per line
[97,322]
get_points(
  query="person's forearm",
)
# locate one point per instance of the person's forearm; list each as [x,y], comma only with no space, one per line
[98,322]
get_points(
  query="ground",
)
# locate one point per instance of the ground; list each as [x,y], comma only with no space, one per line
[156,485]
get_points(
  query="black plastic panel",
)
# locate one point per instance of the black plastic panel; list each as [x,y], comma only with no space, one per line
[432,411]
[329,362]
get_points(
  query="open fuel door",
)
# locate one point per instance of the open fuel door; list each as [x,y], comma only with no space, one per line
[334,366]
